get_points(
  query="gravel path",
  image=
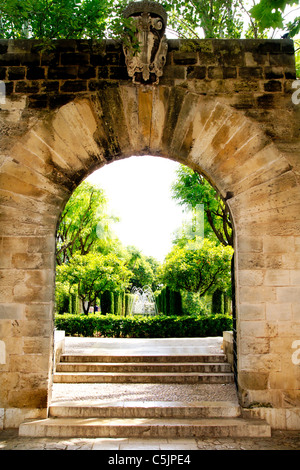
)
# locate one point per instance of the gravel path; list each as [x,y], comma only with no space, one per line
[94,393]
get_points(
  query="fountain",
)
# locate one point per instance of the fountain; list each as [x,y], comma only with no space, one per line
[144,301]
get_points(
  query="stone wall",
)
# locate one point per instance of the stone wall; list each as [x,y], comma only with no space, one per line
[228,347]
[223,108]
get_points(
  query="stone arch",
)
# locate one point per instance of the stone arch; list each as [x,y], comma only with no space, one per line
[41,168]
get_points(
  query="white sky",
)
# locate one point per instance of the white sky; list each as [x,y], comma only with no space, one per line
[139,193]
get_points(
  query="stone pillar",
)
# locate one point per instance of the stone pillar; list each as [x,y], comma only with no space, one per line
[26,326]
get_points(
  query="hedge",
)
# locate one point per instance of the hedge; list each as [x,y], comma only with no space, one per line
[169,302]
[138,326]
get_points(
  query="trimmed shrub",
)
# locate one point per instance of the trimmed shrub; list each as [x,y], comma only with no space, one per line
[107,303]
[169,302]
[139,326]
[128,304]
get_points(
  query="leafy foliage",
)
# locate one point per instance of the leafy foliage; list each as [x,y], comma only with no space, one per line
[199,266]
[142,272]
[84,225]
[55,19]
[92,274]
[159,326]
[191,189]
[297,57]
[270,14]
[94,19]
[214,19]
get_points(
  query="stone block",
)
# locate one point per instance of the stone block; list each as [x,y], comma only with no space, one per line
[28,398]
[266,101]
[10,60]
[29,364]
[16,73]
[288,294]
[215,72]
[42,312]
[50,86]
[34,345]
[248,244]
[39,101]
[185,58]
[285,60]
[57,101]
[253,380]
[229,72]
[259,346]
[278,244]
[277,277]
[295,277]
[173,72]
[118,73]
[63,72]
[11,311]
[291,261]
[257,294]
[86,72]
[2,352]
[296,312]
[71,58]
[289,329]
[73,86]
[284,380]
[279,311]
[272,73]
[27,87]
[251,72]
[250,277]
[252,311]
[35,73]
[196,72]
[273,86]
[260,362]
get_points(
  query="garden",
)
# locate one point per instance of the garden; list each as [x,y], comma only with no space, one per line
[98,278]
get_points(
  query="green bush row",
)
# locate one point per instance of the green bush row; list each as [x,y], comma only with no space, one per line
[138,326]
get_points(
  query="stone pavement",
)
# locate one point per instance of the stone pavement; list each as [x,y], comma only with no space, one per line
[9,439]
[280,440]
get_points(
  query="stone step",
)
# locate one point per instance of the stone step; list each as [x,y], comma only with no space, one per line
[144,428]
[130,377]
[143,367]
[137,409]
[215,358]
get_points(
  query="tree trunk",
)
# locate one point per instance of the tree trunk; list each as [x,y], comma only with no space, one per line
[86,307]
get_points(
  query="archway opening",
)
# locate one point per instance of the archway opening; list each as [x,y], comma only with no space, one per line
[182,232]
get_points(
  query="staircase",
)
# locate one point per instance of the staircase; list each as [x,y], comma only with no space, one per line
[162,419]
[143,369]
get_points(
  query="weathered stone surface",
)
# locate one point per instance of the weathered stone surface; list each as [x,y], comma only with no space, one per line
[222,107]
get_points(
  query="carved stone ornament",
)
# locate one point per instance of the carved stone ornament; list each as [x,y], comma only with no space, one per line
[146,65]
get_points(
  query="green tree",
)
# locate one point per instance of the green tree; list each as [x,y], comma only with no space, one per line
[211,19]
[93,274]
[199,266]
[55,19]
[270,14]
[95,19]
[191,189]
[297,57]
[84,225]
[140,267]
